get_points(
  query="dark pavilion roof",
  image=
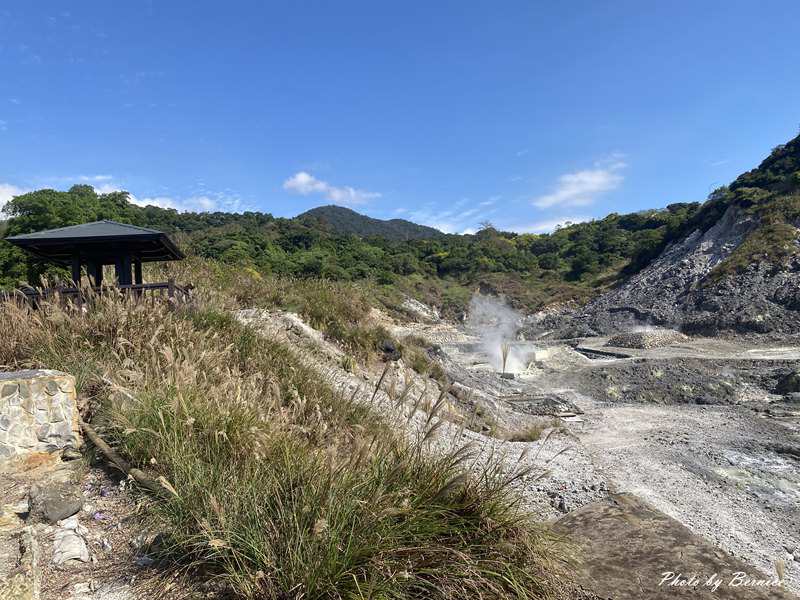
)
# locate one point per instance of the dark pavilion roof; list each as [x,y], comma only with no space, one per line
[101,241]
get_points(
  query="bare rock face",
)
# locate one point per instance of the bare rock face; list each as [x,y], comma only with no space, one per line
[656,294]
[38,412]
[676,292]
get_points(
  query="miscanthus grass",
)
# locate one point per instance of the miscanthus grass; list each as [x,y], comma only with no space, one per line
[283,487]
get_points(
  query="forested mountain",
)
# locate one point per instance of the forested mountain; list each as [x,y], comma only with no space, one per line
[341,220]
[574,262]
[530,268]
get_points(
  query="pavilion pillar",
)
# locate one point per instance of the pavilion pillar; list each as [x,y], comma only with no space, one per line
[118,269]
[96,273]
[122,268]
[137,271]
[76,269]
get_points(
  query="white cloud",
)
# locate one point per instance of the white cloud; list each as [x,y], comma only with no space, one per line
[205,203]
[452,221]
[3,125]
[106,188]
[7,192]
[306,184]
[191,204]
[96,177]
[548,225]
[581,188]
[159,201]
[197,203]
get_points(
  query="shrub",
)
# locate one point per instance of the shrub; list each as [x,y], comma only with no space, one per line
[533,432]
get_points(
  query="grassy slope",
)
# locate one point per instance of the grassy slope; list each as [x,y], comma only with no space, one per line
[284,488]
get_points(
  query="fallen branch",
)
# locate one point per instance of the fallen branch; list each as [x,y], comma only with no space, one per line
[138,475]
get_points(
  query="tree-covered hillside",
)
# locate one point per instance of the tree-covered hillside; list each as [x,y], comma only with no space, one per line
[573,262]
[341,220]
[530,268]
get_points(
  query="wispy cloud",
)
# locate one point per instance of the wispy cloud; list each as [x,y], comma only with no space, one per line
[582,188]
[190,204]
[548,225]
[95,177]
[7,192]
[522,152]
[3,125]
[206,202]
[719,163]
[306,184]
[459,218]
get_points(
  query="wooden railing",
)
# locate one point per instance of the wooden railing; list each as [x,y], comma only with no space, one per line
[168,290]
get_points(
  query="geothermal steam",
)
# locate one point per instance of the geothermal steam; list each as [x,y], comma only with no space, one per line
[497,324]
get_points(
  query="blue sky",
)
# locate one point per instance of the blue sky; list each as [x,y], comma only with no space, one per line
[447,113]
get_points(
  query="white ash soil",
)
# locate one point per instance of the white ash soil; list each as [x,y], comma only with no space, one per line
[727,471]
[719,470]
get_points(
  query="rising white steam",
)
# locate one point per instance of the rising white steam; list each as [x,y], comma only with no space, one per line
[497,324]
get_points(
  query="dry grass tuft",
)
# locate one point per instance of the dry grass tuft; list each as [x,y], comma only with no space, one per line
[284,488]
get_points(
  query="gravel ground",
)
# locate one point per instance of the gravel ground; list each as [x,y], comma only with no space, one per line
[714,469]
[648,338]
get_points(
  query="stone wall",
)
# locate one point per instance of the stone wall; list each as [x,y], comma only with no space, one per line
[38,412]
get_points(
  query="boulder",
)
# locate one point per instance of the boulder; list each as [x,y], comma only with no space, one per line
[789,383]
[54,502]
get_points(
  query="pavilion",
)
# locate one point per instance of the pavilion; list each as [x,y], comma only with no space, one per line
[93,245]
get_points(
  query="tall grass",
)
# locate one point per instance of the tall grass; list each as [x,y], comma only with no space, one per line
[284,488]
[340,310]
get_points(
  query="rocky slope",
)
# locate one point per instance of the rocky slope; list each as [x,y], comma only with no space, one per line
[734,270]
[677,291]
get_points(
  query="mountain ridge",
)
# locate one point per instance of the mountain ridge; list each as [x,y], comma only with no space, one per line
[345,220]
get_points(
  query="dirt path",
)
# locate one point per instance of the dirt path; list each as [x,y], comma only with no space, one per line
[714,469]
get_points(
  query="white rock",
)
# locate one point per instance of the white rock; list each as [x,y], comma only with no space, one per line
[68,545]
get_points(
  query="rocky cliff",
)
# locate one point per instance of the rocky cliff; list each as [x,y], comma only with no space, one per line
[734,270]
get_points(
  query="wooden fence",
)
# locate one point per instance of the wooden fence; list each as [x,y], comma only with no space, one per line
[168,290]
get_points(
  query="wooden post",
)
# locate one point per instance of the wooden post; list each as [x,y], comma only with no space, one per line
[137,277]
[76,269]
[126,270]
[95,271]
[171,289]
[76,279]
[118,269]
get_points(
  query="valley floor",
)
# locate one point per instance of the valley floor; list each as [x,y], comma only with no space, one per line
[728,472]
